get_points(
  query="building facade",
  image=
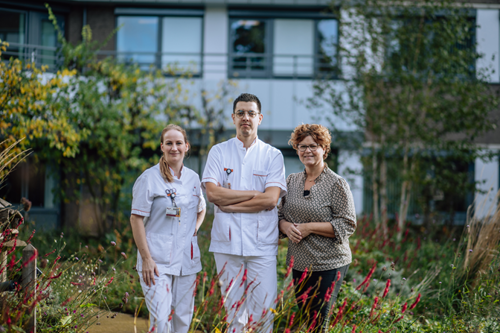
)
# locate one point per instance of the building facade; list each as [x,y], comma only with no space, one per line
[272,48]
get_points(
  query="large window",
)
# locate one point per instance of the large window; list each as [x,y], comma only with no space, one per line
[12,30]
[31,35]
[161,41]
[282,47]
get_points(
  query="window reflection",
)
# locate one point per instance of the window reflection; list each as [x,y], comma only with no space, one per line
[137,39]
[249,41]
[12,30]
[328,40]
[49,38]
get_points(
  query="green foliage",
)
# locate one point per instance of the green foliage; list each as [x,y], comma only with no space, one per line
[432,265]
[410,82]
[35,106]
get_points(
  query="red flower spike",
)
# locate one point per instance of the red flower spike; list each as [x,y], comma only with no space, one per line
[399,319]
[370,273]
[329,292]
[404,308]
[29,239]
[313,324]
[304,274]
[353,329]
[243,278]
[302,298]
[340,313]
[33,257]
[48,254]
[211,291]
[229,285]
[416,302]
[375,301]
[12,262]
[109,282]
[386,290]
[290,324]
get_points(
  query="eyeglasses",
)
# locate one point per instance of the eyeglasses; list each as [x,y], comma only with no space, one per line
[304,147]
[241,114]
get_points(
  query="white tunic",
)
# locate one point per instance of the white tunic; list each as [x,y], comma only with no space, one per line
[171,243]
[256,168]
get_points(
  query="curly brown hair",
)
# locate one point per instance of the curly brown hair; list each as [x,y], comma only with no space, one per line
[320,134]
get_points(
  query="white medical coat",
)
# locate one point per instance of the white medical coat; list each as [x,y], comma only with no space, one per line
[171,242]
[256,168]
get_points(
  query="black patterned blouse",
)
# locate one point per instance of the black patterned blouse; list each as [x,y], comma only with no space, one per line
[329,200]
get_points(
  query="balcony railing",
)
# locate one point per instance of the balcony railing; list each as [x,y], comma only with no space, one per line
[241,65]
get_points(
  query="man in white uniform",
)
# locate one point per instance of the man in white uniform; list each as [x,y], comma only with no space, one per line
[245,177]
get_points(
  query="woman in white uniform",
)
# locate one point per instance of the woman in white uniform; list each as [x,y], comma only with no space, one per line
[167,210]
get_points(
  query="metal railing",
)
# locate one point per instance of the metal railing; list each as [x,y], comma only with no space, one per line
[236,65]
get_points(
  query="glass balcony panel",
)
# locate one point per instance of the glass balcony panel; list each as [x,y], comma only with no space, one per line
[293,47]
[181,43]
[248,44]
[138,33]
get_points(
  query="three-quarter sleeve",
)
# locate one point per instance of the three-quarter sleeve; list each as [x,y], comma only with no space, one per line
[343,211]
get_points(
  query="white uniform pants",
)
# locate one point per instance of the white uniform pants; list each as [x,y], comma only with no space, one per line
[170,293]
[259,296]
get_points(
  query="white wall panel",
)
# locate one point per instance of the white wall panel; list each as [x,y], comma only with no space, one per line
[284,103]
[348,162]
[486,172]
[488,42]
[215,37]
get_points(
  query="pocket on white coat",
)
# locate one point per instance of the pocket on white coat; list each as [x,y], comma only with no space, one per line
[267,229]
[221,231]
[195,249]
[160,248]
[259,178]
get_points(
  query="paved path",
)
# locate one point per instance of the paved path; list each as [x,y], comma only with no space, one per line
[122,323]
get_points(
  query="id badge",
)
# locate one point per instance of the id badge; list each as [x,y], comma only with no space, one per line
[174,211]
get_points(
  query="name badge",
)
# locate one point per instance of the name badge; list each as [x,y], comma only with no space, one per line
[174,211]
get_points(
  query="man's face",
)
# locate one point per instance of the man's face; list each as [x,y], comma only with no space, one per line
[246,125]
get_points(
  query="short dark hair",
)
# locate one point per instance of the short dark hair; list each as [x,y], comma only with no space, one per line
[246,97]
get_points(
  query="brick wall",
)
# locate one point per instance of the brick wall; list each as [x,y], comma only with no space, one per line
[102,22]
[74,25]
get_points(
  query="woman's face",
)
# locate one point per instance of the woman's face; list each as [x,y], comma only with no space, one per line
[310,157]
[174,147]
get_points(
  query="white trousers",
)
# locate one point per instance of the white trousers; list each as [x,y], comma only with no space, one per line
[170,293]
[260,286]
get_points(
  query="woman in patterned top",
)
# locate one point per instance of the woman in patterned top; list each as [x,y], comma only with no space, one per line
[318,216]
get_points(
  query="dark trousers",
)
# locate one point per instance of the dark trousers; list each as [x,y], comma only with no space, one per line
[319,282]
